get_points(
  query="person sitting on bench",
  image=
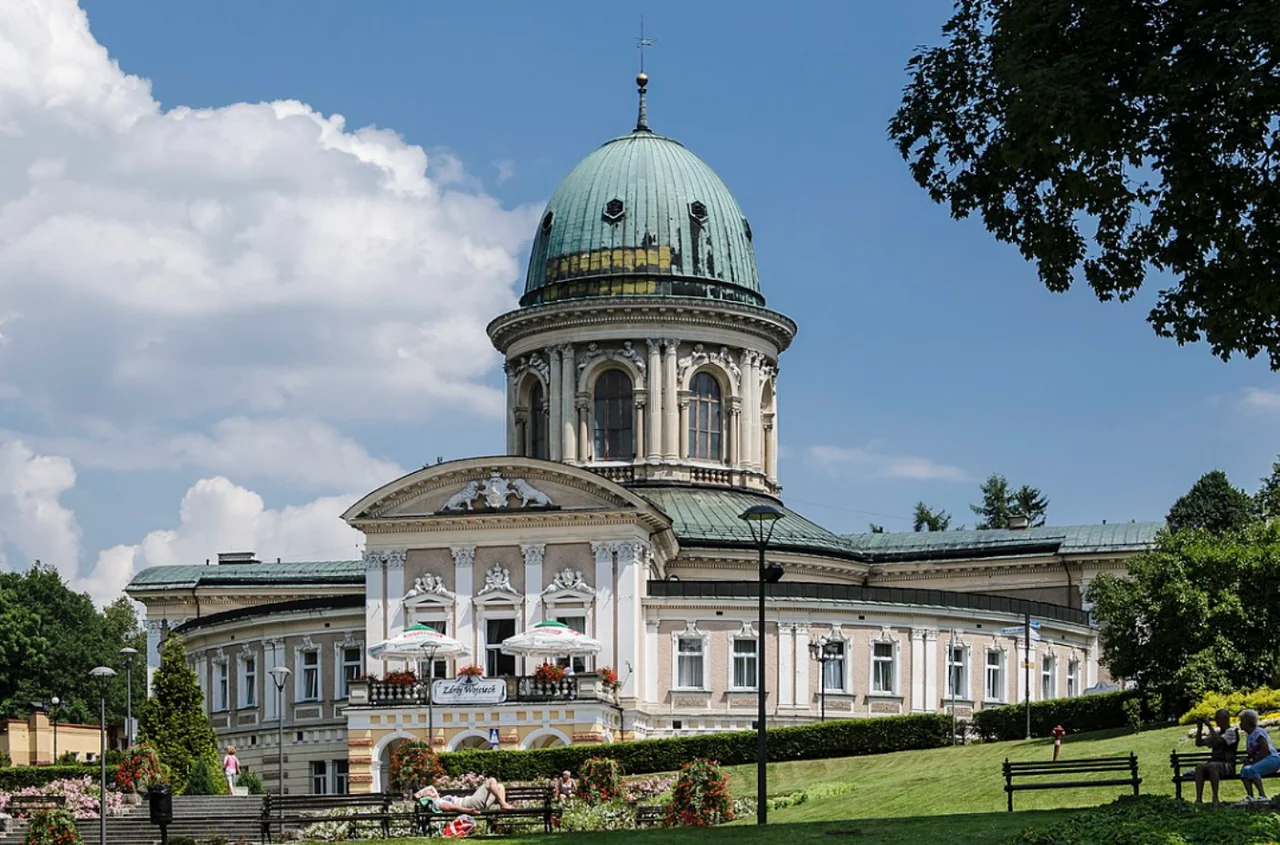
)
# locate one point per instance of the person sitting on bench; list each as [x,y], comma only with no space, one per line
[1264,759]
[1222,753]
[488,795]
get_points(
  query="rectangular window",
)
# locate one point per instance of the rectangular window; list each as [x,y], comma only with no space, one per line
[995,675]
[497,664]
[957,674]
[579,624]
[744,664]
[689,663]
[341,780]
[882,668]
[352,669]
[249,683]
[220,686]
[441,669]
[1073,678]
[833,668]
[310,676]
[1048,677]
[319,777]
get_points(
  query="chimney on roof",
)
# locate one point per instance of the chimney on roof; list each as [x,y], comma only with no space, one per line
[1018,521]
[231,558]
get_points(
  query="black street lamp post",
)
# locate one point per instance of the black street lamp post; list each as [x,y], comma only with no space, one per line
[761,519]
[53,714]
[279,675]
[128,655]
[824,651]
[103,675]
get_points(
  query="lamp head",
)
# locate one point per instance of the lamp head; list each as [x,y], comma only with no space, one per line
[760,518]
[55,701]
[102,673]
[280,672]
[128,653]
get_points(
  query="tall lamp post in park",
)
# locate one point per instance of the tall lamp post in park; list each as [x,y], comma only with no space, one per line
[824,651]
[103,675]
[128,654]
[761,520]
[279,675]
[53,715]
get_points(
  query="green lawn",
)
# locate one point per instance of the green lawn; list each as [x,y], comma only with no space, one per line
[943,795]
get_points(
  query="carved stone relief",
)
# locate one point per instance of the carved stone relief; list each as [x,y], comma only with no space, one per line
[495,494]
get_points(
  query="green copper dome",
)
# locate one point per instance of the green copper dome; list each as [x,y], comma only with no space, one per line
[642,216]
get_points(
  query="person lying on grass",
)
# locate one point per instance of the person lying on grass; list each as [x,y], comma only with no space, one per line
[1222,753]
[1264,759]
[488,795]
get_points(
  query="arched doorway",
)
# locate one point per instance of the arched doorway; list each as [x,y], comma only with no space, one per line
[382,761]
[471,741]
[546,738]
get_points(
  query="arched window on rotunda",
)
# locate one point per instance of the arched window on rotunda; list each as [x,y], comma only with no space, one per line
[706,427]
[614,412]
[538,422]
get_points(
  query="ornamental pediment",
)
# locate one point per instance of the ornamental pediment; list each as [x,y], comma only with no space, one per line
[479,487]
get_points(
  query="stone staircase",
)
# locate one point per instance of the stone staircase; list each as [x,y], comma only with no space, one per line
[200,817]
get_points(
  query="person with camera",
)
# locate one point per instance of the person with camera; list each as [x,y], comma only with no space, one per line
[1222,745]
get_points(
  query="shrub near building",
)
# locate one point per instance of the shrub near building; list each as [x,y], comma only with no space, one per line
[1077,715]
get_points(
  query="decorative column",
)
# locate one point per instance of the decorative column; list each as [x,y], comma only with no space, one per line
[734,433]
[633,557]
[463,586]
[395,590]
[786,665]
[521,447]
[670,400]
[650,665]
[746,450]
[273,656]
[931,697]
[555,403]
[605,617]
[641,398]
[509,367]
[684,424]
[568,390]
[375,621]
[770,448]
[803,698]
[534,554]
[654,451]
[917,671]
[583,404]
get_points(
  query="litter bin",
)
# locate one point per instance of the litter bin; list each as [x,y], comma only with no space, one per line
[160,803]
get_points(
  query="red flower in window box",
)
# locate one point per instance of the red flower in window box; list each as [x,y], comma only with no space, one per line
[400,678]
[609,675]
[549,673]
[472,671]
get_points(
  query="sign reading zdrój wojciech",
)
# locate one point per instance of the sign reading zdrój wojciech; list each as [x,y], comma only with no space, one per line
[469,691]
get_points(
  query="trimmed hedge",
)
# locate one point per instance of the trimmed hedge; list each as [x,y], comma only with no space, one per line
[13,778]
[1085,713]
[840,738]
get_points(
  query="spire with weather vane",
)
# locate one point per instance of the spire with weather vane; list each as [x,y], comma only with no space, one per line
[642,79]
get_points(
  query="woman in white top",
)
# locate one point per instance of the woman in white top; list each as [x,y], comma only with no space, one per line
[1264,759]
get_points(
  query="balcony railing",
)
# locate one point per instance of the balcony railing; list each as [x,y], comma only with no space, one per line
[585,687]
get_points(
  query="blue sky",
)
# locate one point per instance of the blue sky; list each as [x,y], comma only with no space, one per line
[928,355]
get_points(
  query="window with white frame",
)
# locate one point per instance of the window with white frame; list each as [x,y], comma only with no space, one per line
[341,777]
[995,675]
[957,672]
[249,680]
[319,777]
[221,701]
[1048,676]
[579,624]
[883,671]
[350,670]
[441,667]
[1073,678]
[309,682]
[833,668]
[744,663]
[689,659]
[496,663]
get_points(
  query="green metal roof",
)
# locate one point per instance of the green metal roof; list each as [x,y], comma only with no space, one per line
[711,517]
[642,216]
[1051,539]
[306,572]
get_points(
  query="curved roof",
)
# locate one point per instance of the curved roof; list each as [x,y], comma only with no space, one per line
[642,215]
[345,572]
[1045,539]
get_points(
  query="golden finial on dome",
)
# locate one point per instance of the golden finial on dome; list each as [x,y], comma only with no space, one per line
[642,78]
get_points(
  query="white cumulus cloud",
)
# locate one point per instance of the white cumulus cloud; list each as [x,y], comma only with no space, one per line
[1258,399]
[34,524]
[870,464]
[219,516]
[257,258]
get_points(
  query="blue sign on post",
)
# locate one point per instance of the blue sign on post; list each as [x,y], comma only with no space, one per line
[493,738]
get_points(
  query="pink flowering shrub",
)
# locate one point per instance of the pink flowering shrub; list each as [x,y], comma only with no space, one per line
[468,781]
[644,788]
[81,796]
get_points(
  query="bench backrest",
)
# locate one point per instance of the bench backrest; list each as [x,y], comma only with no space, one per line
[1069,767]
[1177,759]
[273,803]
[28,802]
[515,794]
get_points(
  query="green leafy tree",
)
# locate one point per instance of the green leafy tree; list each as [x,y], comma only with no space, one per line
[1213,504]
[999,504]
[1113,140]
[174,721]
[1196,614]
[204,778]
[1268,497]
[927,519]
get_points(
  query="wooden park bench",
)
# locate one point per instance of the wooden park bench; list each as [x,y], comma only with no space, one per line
[279,811]
[1184,767]
[1066,774]
[533,805]
[25,805]
[650,815]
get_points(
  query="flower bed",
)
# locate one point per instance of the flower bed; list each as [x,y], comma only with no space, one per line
[81,795]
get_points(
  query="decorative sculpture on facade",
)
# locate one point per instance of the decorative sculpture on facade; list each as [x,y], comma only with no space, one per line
[495,493]
[428,585]
[700,356]
[568,579]
[626,352]
[496,580]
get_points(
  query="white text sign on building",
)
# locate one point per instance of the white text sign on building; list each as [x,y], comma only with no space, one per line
[469,691]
